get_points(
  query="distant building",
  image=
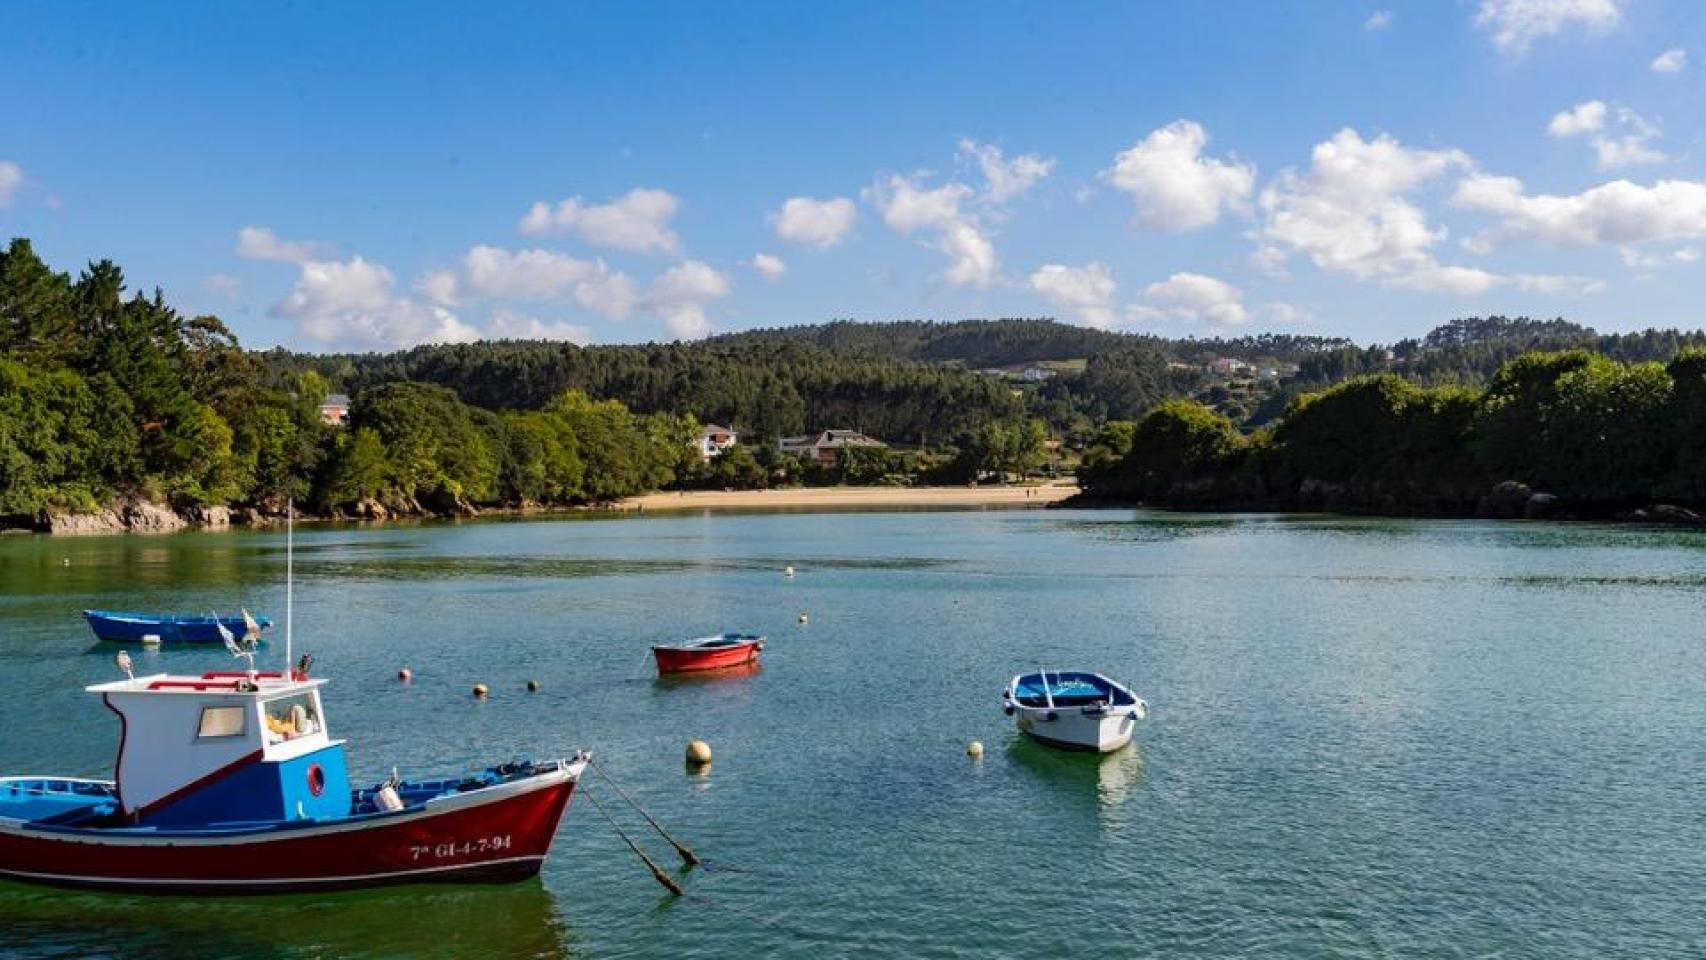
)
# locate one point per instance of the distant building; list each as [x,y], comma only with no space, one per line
[713,440]
[826,447]
[1232,367]
[334,410]
[1037,374]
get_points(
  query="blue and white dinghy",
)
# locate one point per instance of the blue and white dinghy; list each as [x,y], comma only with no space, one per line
[1073,710]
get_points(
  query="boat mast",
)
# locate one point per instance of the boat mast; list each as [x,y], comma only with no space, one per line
[289,576]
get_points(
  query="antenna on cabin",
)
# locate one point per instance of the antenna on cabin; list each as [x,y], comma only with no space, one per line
[289,575]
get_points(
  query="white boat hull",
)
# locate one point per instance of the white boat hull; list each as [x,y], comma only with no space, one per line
[1074,728]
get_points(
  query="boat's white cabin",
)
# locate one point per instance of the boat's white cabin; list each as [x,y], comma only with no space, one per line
[225,747]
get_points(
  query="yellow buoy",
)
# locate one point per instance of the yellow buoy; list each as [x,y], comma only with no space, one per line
[532,686]
[805,619]
[405,674]
[480,690]
[698,752]
[974,750]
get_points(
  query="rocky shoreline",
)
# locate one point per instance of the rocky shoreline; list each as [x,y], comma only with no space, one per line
[146,517]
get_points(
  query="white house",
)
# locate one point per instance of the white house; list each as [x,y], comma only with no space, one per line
[713,440]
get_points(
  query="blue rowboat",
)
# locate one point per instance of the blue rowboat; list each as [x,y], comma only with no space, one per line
[123,627]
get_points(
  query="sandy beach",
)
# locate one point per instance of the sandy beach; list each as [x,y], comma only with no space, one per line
[853,497]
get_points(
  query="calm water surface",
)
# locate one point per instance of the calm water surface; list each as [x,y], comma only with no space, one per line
[1367,738]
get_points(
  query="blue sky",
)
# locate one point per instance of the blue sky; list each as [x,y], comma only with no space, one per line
[342,176]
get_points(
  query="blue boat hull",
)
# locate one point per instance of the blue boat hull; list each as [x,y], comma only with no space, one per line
[120,627]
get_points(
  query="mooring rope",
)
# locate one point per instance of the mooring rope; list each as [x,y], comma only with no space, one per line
[657,872]
[687,855]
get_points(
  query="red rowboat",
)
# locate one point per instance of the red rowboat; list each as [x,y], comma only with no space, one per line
[708,653]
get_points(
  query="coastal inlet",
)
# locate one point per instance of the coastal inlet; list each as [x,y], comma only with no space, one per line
[1366,738]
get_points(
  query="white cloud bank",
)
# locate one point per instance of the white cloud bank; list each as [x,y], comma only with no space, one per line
[1087,291]
[353,304]
[1515,24]
[815,223]
[1198,298]
[1378,20]
[1618,213]
[1174,186]
[680,295]
[542,275]
[637,221]
[939,213]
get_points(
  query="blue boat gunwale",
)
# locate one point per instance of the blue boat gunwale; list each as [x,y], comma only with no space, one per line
[1069,688]
[124,626]
[434,789]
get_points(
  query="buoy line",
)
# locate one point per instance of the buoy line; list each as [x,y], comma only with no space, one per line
[657,871]
[687,855]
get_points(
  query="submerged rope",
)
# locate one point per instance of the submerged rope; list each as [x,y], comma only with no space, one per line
[687,855]
[657,872]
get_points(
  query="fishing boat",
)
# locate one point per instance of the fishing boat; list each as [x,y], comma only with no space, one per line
[124,627]
[708,653]
[229,782]
[1073,710]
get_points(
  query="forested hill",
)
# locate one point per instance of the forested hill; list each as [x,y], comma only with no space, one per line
[108,395]
[1015,341]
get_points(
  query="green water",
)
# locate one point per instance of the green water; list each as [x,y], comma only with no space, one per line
[1367,738]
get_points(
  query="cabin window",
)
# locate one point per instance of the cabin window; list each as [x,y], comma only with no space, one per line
[291,717]
[221,722]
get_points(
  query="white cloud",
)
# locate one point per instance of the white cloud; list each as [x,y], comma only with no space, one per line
[440,286]
[354,304]
[816,223]
[681,293]
[1349,212]
[1673,60]
[770,266]
[1627,148]
[1378,20]
[11,178]
[1195,297]
[1174,185]
[1587,117]
[510,325]
[547,275]
[223,285]
[1618,213]
[1087,291]
[1516,24]
[1004,179]
[637,221]
[260,243]
[909,208]
[1630,148]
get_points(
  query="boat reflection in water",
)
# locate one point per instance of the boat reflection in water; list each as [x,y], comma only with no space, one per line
[519,920]
[751,668]
[1110,778]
